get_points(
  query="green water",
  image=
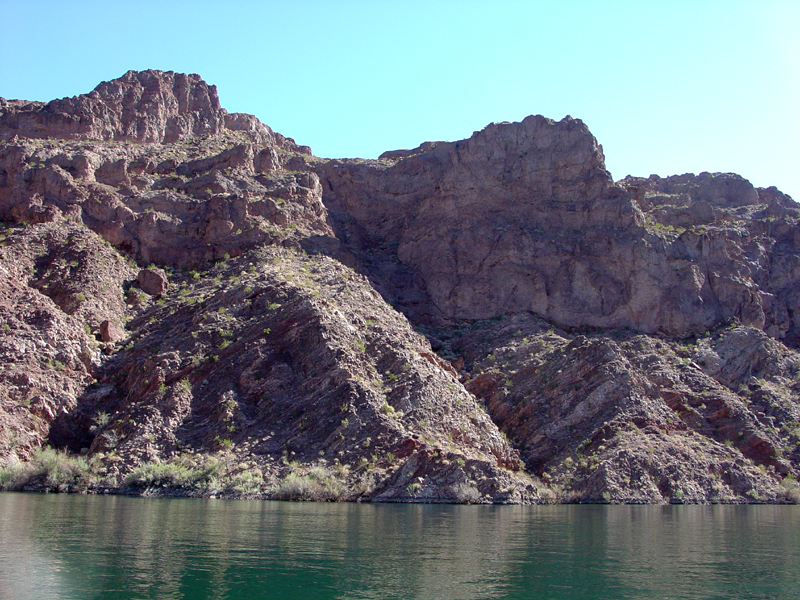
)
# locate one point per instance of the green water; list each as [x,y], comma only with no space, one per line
[59,546]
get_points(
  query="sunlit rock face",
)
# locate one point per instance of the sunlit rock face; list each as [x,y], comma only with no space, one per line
[524,217]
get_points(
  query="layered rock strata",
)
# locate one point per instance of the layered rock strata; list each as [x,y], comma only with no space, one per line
[626,417]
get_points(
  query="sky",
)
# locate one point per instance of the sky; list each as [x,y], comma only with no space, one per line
[666,87]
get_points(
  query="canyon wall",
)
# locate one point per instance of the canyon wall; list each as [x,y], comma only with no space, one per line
[192,303]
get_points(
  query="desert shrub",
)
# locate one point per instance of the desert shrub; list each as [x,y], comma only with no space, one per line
[100,420]
[246,483]
[318,485]
[6,478]
[182,472]
[792,496]
[465,493]
[549,495]
[158,474]
[210,469]
[414,488]
[791,490]
[300,487]
[48,469]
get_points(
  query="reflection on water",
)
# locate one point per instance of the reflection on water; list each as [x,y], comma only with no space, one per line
[56,546]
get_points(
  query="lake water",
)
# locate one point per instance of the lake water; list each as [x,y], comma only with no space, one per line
[66,546]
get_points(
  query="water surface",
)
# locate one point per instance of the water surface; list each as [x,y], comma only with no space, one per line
[60,546]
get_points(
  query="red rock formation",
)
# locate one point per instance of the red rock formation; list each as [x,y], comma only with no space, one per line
[524,217]
[141,106]
[272,374]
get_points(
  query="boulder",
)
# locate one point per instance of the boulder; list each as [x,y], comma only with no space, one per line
[153,281]
[111,332]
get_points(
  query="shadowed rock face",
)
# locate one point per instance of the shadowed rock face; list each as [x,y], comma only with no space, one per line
[630,340]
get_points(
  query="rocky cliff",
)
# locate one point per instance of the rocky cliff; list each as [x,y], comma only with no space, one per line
[524,217]
[192,303]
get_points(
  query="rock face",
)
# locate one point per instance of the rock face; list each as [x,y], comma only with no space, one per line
[146,106]
[584,340]
[470,218]
[741,242]
[178,204]
[297,360]
[524,217]
[57,284]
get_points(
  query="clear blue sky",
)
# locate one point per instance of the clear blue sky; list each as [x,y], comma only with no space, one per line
[666,87]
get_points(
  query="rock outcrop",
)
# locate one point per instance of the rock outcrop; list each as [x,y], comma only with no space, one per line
[144,106]
[153,281]
[197,305]
[631,418]
[524,217]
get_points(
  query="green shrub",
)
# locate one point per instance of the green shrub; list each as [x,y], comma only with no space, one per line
[48,469]
[158,474]
[246,483]
[183,472]
[318,485]
[465,493]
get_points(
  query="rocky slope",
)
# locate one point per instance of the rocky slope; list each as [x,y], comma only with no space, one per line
[192,303]
[627,417]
